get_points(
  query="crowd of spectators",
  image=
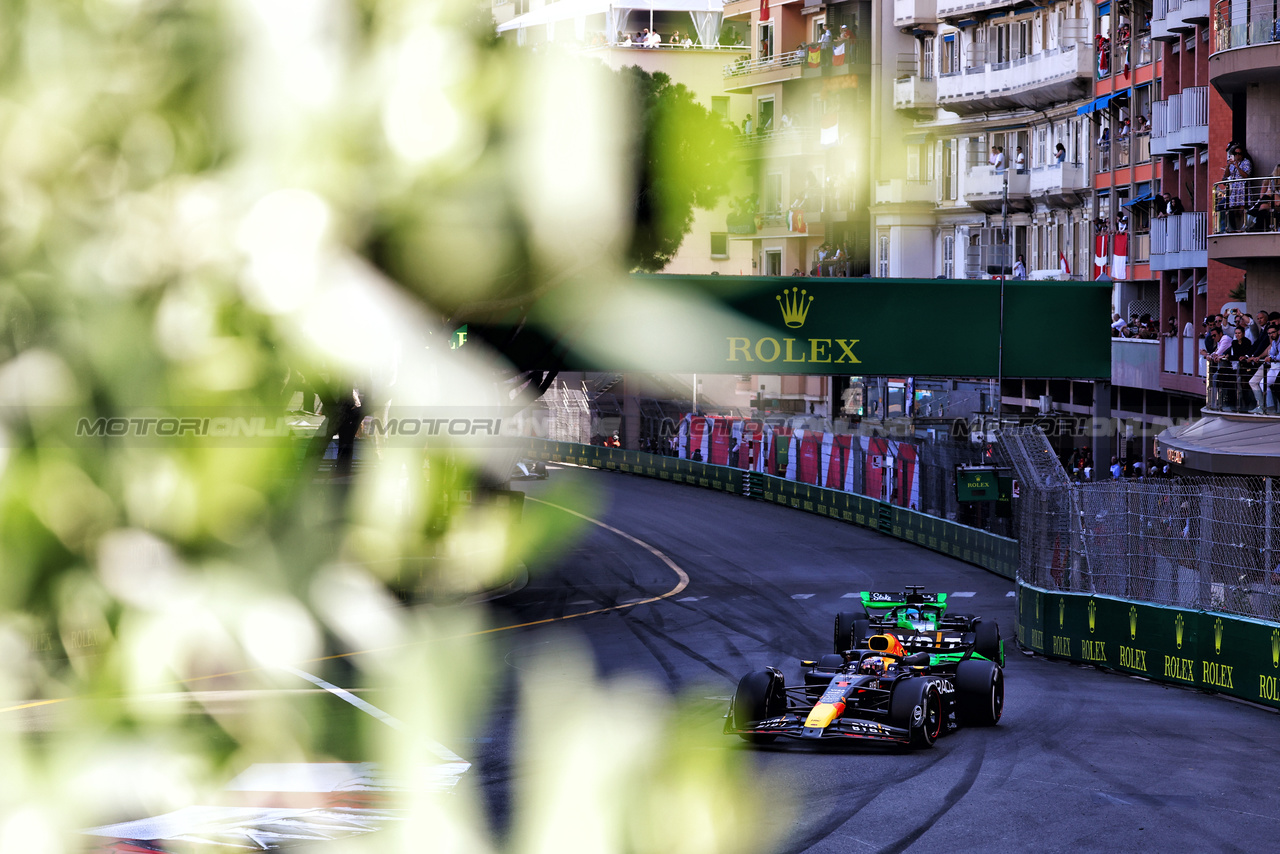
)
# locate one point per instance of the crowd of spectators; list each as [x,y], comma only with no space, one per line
[1243,355]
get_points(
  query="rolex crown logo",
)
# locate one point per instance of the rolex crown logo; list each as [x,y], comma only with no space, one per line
[1062,611]
[1275,647]
[1217,635]
[1093,611]
[1133,623]
[795,306]
[1178,623]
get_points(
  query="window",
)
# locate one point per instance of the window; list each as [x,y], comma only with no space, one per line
[773,194]
[950,63]
[720,106]
[947,166]
[882,256]
[949,257]
[926,58]
[766,41]
[719,245]
[1042,146]
[765,122]
[773,262]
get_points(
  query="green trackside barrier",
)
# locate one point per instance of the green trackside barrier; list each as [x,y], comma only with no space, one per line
[989,551]
[1198,649]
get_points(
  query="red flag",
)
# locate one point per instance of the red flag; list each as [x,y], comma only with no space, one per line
[1063,265]
[837,55]
[764,11]
[1099,256]
[1120,256]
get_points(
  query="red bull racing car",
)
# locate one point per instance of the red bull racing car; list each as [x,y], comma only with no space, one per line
[882,692]
[921,622]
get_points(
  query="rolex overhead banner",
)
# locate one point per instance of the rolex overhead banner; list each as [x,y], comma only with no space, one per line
[833,326]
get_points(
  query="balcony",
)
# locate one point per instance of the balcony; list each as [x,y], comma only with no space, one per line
[988,260]
[1179,242]
[915,93]
[1164,14]
[896,191]
[1181,122]
[1032,82]
[984,189]
[1135,363]
[967,8]
[770,144]
[1140,248]
[1246,225]
[744,74]
[911,13]
[1142,147]
[1060,185]
[1246,42]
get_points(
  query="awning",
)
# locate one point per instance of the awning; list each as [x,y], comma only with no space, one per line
[1183,293]
[1095,104]
[967,22]
[1104,9]
[1202,287]
[949,37]
[1142,198]
[570,9]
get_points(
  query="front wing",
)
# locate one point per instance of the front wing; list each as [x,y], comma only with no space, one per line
[791,725]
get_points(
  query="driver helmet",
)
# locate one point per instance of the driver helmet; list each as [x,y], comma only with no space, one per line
[873,664]
[911,613]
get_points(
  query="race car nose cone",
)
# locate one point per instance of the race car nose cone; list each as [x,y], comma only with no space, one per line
[811,732]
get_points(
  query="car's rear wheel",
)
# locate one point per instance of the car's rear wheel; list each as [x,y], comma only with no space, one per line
[986,641]
[979,692]
[916,706]
[851,628]
[759,696]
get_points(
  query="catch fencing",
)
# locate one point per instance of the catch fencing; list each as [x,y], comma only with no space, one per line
[1203,543]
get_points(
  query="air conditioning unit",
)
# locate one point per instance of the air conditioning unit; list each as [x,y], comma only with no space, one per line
[1046,404]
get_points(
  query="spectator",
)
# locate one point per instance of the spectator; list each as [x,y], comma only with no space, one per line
[654,40]
[1060,154]
[1175,205]
[825,38]
[1262,213]
[1116,468]
[1117,325]
[1019,161]
[1269,367]
[1159,206]
[997,158]
[1019,268]
[1238,170]
[747,125]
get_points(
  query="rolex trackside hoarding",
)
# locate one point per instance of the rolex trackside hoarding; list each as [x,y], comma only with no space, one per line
[784,325]
[1198,649]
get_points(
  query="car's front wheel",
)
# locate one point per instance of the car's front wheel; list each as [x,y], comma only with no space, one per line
[916,706]
[759,696]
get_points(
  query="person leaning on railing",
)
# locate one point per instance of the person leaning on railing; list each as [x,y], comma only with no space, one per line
[1238,170]
[1268,361]
[1214,352]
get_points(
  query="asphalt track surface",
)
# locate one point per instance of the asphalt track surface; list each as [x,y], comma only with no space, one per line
[1083,760]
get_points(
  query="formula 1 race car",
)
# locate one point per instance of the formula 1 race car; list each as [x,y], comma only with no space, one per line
[881,693]
[527,469]
[921,622]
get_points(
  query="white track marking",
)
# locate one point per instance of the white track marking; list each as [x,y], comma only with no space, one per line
[802,596]
[1010,595]
[963,595]
[851,596]
[692,599]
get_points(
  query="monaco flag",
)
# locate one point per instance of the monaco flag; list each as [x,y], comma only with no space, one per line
[1099,256]
[837,55]
[1120,256]
[1062,263]
[764,11]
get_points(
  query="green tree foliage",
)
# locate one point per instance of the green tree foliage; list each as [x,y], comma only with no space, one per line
[684,160]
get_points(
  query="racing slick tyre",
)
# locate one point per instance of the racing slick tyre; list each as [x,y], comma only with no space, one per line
[851,630]
[986,641]
[916,705]
[759,696]
[979,692]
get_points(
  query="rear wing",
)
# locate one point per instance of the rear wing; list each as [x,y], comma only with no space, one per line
[911,596]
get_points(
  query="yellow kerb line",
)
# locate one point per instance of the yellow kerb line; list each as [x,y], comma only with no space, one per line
[680,573]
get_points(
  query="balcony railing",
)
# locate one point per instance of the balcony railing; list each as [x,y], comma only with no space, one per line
[1179,242]
[743,67]
[1164,14]
[1246,205]
[1120,152]
[1181,122]
[896,191]
[1142,147]
[915,93]
[1060,184]
[1034,81]
[1145,54]
[1102,156]
[984,188]
[907,13]
[783,142]
[1242,23]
